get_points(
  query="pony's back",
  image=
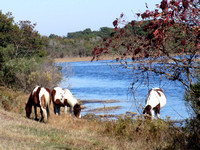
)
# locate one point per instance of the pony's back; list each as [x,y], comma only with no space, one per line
[70,98]
[156,96]
[57,93]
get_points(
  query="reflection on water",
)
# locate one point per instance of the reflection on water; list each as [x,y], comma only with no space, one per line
[98,81]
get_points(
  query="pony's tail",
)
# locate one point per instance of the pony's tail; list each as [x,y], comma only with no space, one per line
[53,95]
[48,113]
[48,101]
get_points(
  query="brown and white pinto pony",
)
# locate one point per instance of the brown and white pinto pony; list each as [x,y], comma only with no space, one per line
[155,100]
[64,98]
[39,97]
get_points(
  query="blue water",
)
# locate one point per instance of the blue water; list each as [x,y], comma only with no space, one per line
[99,81]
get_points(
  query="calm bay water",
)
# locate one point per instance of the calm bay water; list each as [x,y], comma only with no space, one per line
[98,81]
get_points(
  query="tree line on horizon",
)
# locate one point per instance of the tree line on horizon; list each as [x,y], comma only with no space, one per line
[80,43]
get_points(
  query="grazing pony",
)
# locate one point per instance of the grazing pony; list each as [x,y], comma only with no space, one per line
[155,100]
[39,97]
[64,98]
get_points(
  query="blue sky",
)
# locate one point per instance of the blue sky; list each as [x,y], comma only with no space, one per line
[63,16]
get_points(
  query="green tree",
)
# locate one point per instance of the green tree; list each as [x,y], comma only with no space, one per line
[27,41]
[87,32]
[53,36]
[105,32]
[7,26]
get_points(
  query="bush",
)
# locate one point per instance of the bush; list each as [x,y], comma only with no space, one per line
[47,75]
[192,99]
[156,134]
[7,99]
[192,132]
[192,128]
[24,73]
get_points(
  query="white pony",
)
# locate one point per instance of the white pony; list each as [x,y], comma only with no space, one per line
[155,100]
[39,97]
[64,98]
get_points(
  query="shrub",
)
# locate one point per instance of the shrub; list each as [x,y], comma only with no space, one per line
[192,132]
[24,73]
[156,134]
[192,99]
[7,99]
[48,75]
[192,128]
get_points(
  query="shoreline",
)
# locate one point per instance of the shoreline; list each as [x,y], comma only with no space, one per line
[88,58]
[72,59]
[78,59]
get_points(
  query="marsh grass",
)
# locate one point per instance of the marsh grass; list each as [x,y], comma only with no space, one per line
[68,132]
[157,134]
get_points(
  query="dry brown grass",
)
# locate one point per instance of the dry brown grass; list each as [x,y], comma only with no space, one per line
[61,132]
[67,132]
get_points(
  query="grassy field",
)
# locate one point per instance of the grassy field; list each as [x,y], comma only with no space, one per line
[67,132]
[63,132]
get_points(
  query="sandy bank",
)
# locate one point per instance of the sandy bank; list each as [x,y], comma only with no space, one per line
[77,59]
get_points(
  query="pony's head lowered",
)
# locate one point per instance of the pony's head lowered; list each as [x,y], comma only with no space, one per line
[28,111]
[28,106]
[77,110]
[147,110]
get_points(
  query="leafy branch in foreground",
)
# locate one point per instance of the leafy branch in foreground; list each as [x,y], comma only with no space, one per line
[170,46]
